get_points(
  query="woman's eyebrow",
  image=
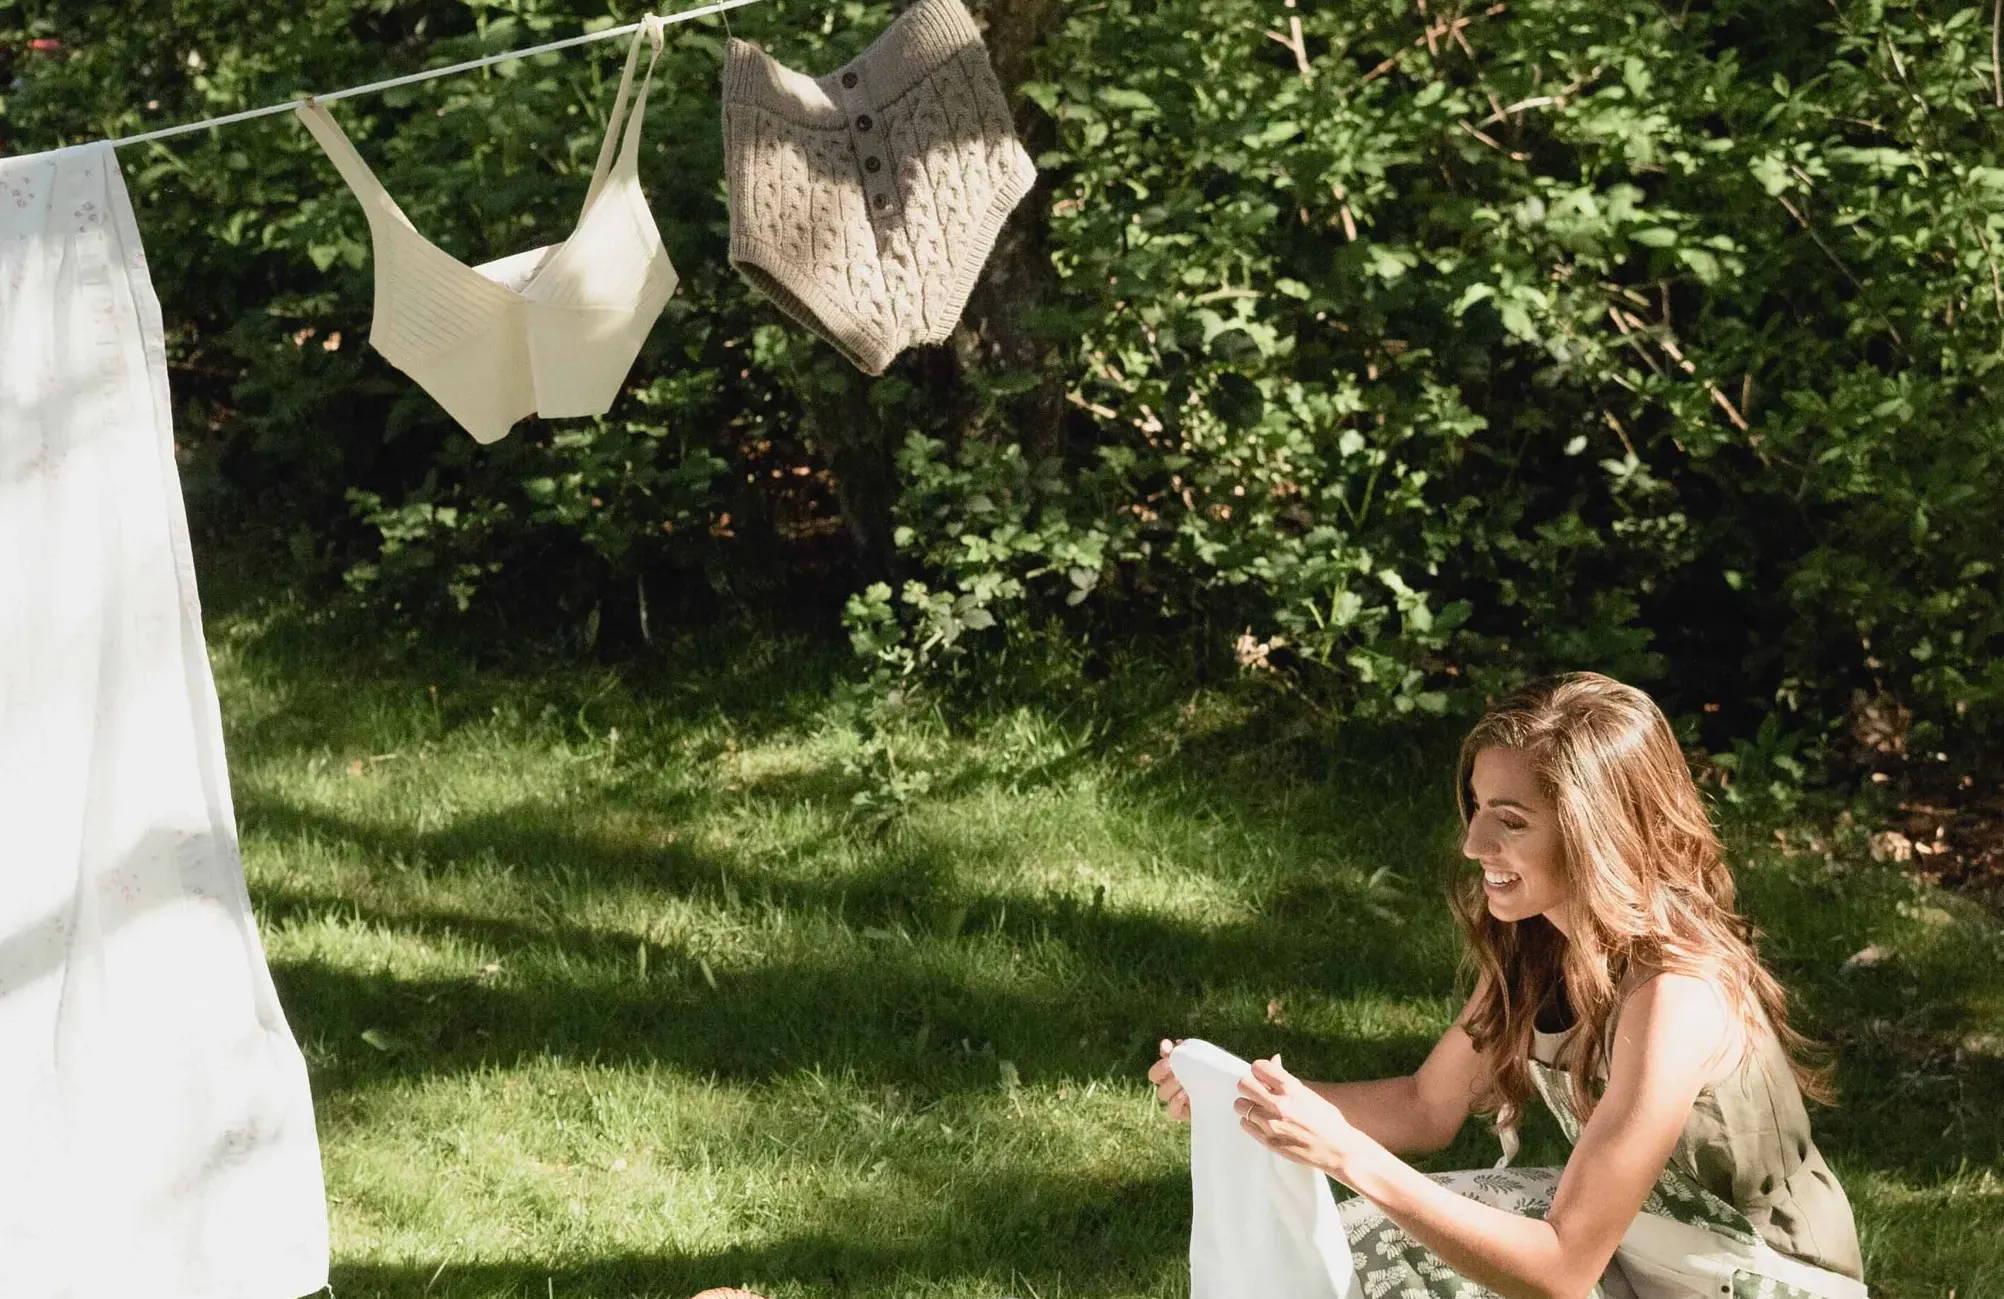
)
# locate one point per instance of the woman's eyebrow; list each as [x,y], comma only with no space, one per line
[1506,802]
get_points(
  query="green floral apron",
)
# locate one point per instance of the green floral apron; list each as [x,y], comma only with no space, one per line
[1687,1243]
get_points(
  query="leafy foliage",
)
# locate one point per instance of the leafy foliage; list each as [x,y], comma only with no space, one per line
[1398,356]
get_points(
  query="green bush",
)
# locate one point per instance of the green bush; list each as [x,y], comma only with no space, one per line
[1546,336]
[1439,347]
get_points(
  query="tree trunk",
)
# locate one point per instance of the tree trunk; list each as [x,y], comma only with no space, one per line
[860,448]
[1019,277]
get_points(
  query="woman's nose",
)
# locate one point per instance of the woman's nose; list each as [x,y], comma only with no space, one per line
[1474,842]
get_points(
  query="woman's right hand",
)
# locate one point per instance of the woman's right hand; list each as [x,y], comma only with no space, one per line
[1175,1101]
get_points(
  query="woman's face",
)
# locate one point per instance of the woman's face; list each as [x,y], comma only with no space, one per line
[1514,836]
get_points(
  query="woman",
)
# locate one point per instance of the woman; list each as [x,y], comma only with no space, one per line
[1613,977]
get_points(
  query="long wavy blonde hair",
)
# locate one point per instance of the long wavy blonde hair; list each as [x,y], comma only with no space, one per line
[1650,889]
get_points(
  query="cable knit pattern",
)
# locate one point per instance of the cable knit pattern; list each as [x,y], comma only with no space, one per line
[865,202]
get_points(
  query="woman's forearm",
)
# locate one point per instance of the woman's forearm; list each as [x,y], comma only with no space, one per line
[1516,1256]
[1388,1110]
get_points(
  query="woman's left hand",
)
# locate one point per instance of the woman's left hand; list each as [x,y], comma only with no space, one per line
[1283,1114]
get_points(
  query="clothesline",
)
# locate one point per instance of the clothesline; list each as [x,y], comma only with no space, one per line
[427,75]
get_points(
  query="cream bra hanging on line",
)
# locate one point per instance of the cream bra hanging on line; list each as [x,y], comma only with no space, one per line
[551,331]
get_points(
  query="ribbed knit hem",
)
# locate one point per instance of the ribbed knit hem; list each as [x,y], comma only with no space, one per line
[772,274]
[911,49]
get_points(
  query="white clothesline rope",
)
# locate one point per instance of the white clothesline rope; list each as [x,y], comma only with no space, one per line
[427,75]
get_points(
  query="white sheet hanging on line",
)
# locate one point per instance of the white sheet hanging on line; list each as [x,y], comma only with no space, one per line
[156,1132]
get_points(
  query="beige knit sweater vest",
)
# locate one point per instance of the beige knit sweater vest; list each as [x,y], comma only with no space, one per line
[866,202]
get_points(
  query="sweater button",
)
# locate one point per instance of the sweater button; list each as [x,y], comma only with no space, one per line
[848,81]
[864,123]
[882,201]
[872,163]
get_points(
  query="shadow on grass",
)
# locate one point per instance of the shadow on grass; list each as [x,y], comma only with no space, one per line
[334,676]
[1085,1235]
[933,1008]
[1915,1104]
[931,1005]
[922,991]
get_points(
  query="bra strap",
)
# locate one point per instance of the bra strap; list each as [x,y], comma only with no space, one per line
[340,150]
[624,122]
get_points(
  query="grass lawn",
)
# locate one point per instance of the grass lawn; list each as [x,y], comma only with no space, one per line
[608,990]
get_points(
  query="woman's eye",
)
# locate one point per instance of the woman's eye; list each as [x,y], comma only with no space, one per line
[1512,825]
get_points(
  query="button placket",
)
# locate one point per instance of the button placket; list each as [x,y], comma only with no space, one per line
[865,140]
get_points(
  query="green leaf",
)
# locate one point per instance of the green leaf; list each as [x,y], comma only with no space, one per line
[1271,134]
[1471,295]
[1636,77]
[1702,264]
[1044,94]
[1771,170]
[1391,263]
[1879,161]
[1133,101]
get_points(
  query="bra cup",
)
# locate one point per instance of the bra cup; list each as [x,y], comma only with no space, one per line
[481,382]
[614,236]
[580,356]
[514,271]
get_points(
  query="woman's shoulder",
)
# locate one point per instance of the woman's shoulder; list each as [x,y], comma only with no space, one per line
[1687,1009]
[1679,979]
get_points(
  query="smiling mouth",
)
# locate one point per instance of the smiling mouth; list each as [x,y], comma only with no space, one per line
[1499,881]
